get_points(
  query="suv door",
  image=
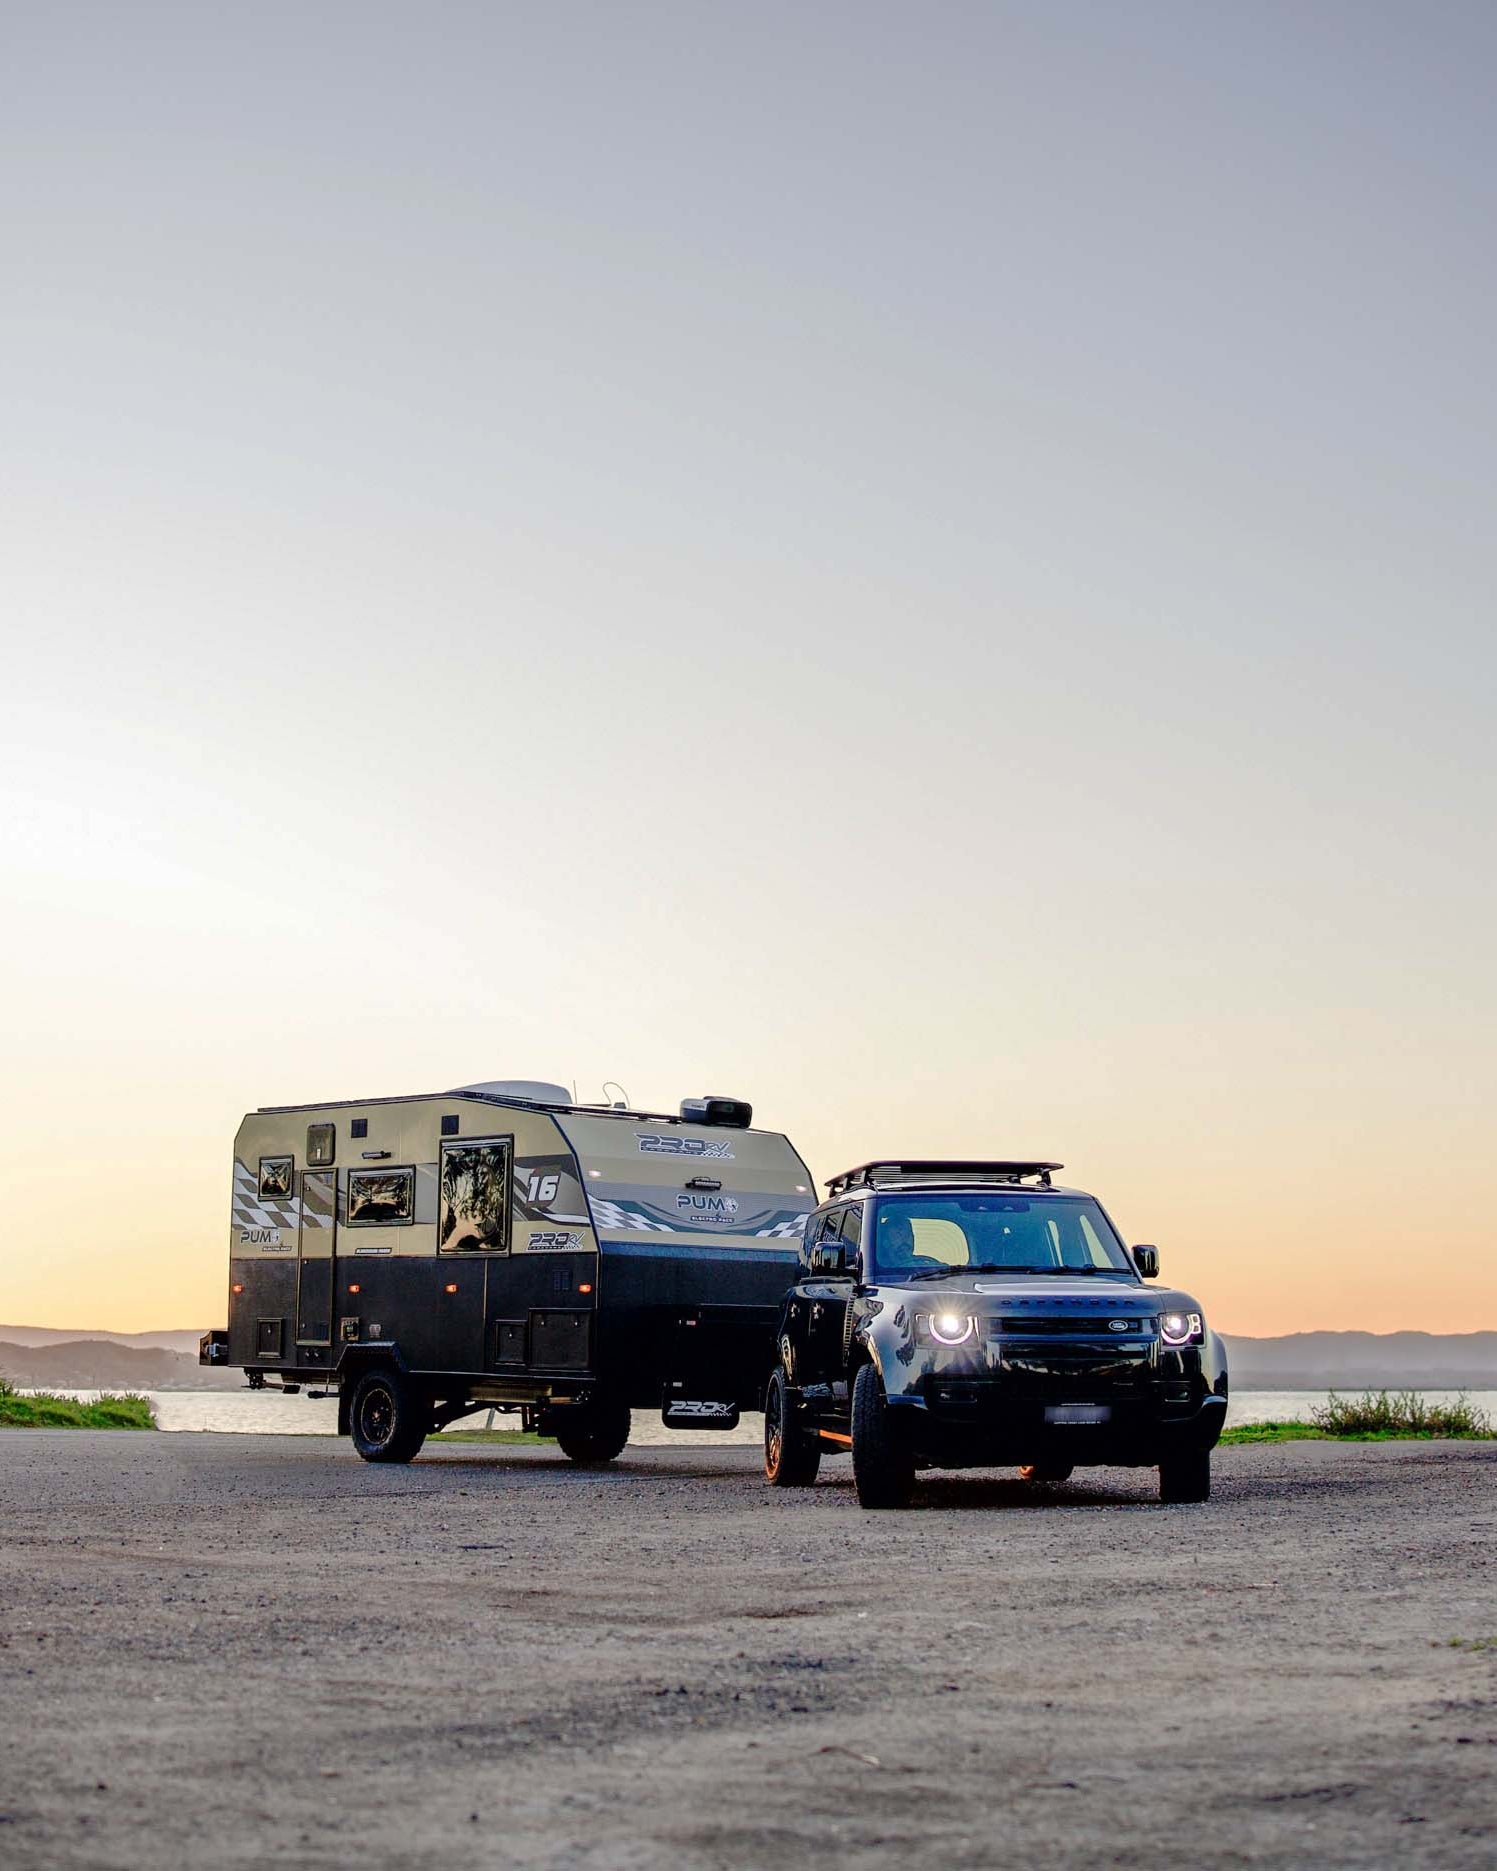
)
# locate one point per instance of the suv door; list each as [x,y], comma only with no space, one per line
[827,1296]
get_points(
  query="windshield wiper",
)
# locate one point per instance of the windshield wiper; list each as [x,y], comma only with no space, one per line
[1068,1272]
[977,1266]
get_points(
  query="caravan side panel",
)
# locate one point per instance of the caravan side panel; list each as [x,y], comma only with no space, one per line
[699,1232]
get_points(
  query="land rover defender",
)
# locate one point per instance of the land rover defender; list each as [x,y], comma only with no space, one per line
[964,1315]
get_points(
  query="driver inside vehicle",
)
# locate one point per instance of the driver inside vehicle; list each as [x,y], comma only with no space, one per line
[896,1251]
[1027,1233]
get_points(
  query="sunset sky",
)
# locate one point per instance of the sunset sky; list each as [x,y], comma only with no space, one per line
[929,568]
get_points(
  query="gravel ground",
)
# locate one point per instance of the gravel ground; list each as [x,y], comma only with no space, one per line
[226,1650]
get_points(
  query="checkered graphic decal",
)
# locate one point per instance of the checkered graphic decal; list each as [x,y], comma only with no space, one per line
[286,1212]
[791,1228]
[612,1216]
[628,1216]
[253,1210]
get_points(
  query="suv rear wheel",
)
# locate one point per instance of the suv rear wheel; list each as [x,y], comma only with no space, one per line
[792,1455]
[883,1464]
[386,1422]
[1185,1480]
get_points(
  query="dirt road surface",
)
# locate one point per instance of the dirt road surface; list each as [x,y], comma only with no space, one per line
[231,1650]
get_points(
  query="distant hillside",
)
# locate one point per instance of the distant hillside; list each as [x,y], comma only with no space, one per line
[149,1341]
[1358,1360]
[103,1364]
[33,1355]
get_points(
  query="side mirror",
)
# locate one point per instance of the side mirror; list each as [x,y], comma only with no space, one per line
[1146,1259]
[828,1257]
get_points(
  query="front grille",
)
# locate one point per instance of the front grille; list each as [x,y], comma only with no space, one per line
[1093,1325]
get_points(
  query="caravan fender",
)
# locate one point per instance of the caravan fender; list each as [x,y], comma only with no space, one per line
[355,1360]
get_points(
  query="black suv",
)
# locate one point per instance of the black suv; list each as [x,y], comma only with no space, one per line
[970,1315]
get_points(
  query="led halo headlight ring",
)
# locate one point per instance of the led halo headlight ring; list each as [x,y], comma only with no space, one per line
[951,1328]
[1180,1328]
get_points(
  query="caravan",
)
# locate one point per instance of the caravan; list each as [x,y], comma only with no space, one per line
[503,1247]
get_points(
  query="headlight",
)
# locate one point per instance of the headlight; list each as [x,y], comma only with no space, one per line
[946,1328]
[1180,1328]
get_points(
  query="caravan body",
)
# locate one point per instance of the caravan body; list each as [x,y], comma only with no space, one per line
[498,1245]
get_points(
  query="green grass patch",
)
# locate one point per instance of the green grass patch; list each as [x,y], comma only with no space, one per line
[1478,1646]
[1274,1432]
[42,1410]
[1400,1413]
[1375,1416]
[526,1436]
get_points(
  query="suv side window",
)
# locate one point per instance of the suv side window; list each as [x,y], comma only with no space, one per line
[829,1230]
[852,1228]
[816,1230]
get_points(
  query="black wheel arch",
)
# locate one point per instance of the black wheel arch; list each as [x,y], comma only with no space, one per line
[355,1361]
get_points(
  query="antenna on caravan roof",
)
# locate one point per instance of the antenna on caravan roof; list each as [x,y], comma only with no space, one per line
[621,1103]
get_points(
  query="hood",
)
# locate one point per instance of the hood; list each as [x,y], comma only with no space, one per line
[1043,1293]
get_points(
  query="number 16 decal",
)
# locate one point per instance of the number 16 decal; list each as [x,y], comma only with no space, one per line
[542,1189]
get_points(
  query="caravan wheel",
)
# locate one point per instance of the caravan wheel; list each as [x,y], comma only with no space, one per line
[385,1422]
[593,1434]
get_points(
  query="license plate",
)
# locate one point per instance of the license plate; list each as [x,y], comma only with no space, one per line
[1077,1412]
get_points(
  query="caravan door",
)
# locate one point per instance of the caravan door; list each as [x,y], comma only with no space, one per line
[473,1228]
[316,1241]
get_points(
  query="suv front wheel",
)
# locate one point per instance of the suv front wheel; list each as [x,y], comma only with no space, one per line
[883,1464]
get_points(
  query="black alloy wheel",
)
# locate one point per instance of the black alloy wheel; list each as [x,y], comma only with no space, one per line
[792,1454]
[592,1433]
[1052,1473]
[386,1422]
[1185,1480]
[883,1463]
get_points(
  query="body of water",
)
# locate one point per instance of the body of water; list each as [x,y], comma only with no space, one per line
[267,1412]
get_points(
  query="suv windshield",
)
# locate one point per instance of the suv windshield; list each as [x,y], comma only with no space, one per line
[920,1236]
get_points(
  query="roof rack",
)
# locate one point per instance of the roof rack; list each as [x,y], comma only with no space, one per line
[883,1175]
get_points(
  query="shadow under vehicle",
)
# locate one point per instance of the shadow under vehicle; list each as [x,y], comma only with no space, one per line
[501,1247]
[972,1315]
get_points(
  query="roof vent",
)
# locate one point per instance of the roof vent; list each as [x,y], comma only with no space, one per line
[732,1113]
[522,1090]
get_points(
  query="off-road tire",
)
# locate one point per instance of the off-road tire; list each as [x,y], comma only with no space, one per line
[1050,1475]
[792,1455]
[1185,1480]
[594,1434]
[386,1422]
[883,1464]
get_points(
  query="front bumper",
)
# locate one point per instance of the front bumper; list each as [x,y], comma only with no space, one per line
[1135,1411]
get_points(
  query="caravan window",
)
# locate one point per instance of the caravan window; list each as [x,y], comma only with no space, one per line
[474,1213]
[380,1197]
[275,1175]
[320,1143]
